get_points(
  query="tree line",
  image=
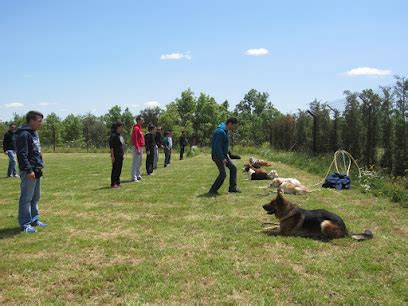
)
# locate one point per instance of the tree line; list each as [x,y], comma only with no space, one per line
[372,126]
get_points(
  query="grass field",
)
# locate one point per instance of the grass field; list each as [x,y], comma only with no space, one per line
[162,241]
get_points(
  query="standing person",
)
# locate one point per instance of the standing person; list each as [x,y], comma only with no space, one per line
[183,143]
[219,154]
[167,148]
[117,151]
[150,145]
[31,164]
[137,149]
[170,139]
[9,148]
[158,139]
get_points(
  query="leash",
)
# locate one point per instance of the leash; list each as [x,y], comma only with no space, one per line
[346,165]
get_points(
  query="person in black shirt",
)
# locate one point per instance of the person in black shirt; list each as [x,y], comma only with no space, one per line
[150,145]
[158,139]
[9,148]
[183,143]
[117,151]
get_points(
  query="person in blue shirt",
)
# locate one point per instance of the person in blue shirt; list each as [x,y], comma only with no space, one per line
[219,154]
[31,163]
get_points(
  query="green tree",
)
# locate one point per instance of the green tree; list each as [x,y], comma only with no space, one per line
[255,114]
[387,128]
[169,119]
[186,106]
[206,119]
[51,130]
[94,131]
[72,133]
[151,115]
[128,119]
[303,131]
[370,109]
[352,125]
[401,113]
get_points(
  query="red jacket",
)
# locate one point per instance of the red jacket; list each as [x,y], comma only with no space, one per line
[137,136]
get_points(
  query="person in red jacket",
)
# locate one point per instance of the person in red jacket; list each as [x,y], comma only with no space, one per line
[137,148]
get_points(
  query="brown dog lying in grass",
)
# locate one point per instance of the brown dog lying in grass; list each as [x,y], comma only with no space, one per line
[318,224]
[256,174]
[258,163]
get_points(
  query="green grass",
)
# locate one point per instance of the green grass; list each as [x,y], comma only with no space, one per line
[161,241]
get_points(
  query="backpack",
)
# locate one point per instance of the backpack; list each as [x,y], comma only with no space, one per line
[338,181]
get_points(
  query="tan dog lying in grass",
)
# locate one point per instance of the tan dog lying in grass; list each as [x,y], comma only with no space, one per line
[288,185]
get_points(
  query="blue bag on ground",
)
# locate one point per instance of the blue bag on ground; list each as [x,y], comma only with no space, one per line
[338,181]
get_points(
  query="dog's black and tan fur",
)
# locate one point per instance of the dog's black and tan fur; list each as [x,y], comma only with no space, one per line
[257,174]
[318,224]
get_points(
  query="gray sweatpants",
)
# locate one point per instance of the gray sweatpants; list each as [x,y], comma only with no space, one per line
[136,164]
[156,157]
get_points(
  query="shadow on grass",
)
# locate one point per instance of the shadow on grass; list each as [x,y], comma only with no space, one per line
[109,187]
[127,181]
[9,232]
[274,231]
[209,195]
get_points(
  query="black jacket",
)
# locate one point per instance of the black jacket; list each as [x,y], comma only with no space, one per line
[183,141]
[149,142]
[117,143]
[9,141]
[158,139]
[28,149]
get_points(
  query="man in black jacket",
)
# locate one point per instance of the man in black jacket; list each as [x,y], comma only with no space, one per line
[158,139]
[150,144]
[117,150]
[9,148]
[31,164]
[183,142]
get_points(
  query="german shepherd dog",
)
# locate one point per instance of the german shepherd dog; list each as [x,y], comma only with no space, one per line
[318,224]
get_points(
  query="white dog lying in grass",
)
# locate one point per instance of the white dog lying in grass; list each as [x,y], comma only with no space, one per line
[286,185]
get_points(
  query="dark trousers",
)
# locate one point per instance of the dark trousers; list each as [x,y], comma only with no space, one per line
[167,156]
[181,152]
[222,174]
[149,162]
[116,170]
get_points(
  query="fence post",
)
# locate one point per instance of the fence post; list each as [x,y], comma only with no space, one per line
[314,130]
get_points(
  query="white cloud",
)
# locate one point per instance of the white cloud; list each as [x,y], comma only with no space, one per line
[257,52]
[46,103]
[13,105]
[175,56]
[152,104]
[367,71]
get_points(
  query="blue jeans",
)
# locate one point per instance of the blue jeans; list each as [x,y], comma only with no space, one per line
[12,166]
[29,198]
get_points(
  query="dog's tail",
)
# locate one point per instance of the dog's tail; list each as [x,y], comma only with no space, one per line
[366,235]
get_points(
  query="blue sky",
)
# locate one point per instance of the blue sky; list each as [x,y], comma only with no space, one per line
[87,55]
